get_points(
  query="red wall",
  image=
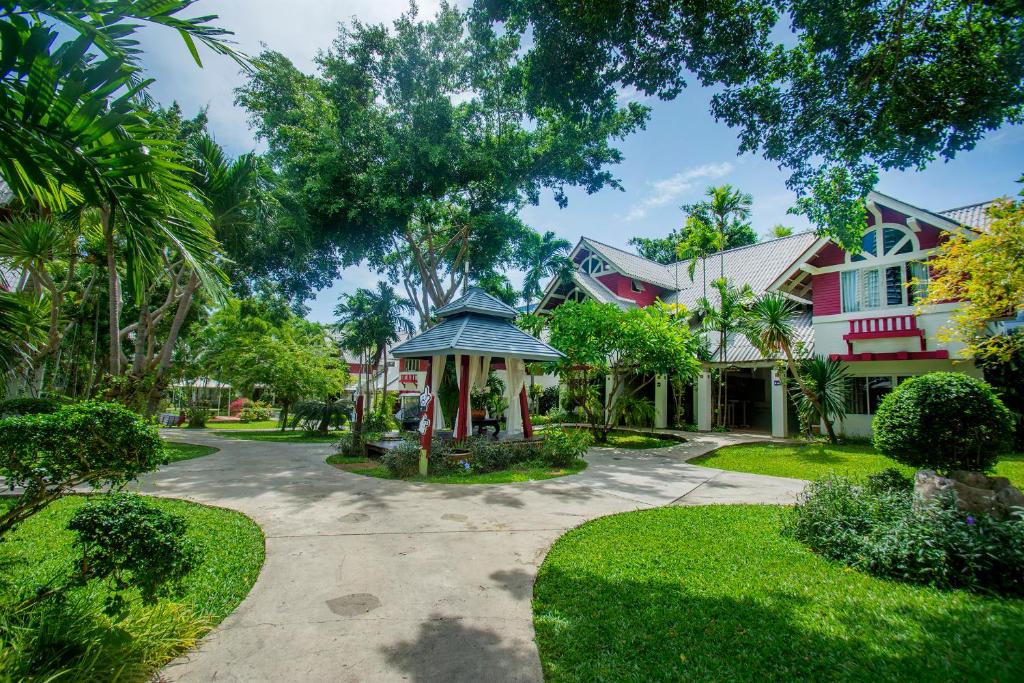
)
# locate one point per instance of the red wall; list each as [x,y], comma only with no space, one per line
[830,255]
[623,287]
[826,294]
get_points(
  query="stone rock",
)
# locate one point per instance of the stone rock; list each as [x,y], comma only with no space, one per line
[974,492]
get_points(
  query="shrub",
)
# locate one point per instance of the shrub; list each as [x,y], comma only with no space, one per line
[889,479]
[351,444]
[563,446]
[256,412]
[880,529]
[236,407]
[131,544]
[94,443]
[29,406]
[196,416]
[548,400]
[944,421]
[558,416]
[403,460]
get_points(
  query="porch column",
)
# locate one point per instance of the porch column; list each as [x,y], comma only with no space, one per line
[779,405]
[661,401]
[608,398]
[524,409]
[702,397]
[462,421]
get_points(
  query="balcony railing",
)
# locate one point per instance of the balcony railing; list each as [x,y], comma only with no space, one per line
[887,327]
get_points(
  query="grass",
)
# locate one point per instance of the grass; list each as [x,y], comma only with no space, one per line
[717,593]
[75,635]
[813,461]
[186,451]
[260,424]
[528,471]
[631,441]
[288,436]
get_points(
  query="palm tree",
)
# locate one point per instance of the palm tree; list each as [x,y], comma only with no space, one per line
[771,330]
[389,311]
[726,211]
[828,379]
[542,256]
[355,319]
[730,316]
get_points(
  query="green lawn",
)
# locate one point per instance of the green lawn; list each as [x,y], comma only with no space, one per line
[263,424]
[41,549]
[631,441]
[288,436]
[812,461]
[523,472]
[186,451]
[717,594]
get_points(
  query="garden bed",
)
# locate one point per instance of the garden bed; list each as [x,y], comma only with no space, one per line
[656,595]
[812,461]
[79,638]
[516,473]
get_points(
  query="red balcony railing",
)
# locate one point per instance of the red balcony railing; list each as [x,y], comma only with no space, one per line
[886,327]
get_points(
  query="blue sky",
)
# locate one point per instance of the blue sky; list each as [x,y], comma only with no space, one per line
[682,151]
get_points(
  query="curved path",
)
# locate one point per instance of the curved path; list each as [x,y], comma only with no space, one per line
[375,580]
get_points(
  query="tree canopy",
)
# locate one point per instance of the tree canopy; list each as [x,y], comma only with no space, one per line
[846,91]
[414,146]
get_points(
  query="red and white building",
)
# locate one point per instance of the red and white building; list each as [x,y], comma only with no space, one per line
[857,308]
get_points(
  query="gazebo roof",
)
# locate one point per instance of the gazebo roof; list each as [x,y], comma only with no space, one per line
[476,324]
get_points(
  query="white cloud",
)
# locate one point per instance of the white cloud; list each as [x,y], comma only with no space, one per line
[668,189]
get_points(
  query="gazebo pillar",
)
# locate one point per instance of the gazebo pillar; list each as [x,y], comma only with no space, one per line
[462,426]
[524,408]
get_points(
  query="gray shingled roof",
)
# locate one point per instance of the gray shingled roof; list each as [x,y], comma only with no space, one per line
[972,215]
[476,334]
[757,265]
[740,350]
[634,266]
[477,300]
[597,290]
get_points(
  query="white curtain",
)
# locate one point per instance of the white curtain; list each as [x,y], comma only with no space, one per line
[437,364]
[851,293]
[515,370]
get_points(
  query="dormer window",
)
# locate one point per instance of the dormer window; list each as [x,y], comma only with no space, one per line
[636,286]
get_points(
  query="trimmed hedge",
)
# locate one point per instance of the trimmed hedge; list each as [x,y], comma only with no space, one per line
[944,421]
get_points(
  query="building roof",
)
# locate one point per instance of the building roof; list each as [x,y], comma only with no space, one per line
[972,215]
[477,300]
[756,265]
[478,335]
[595,288]
[634,266]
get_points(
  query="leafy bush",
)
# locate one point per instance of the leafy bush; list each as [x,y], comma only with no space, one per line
[540,420]
[563,446]
[880,528]
[236,407]
[320,416]
[255,412]
[548,400]
[196,416]
[889,479]
[131,544]
[95,443]
[29,406]
[558,416]
[403,460]
[943,421]
[351,444]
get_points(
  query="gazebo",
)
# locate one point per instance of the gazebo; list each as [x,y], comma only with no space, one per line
[477,330]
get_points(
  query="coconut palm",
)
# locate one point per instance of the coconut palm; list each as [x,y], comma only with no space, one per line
[389,311]
[542,257]
[770,328]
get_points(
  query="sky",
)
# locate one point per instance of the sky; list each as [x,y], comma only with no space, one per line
[682,151]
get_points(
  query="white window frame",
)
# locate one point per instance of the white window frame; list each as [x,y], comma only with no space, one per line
[879,263]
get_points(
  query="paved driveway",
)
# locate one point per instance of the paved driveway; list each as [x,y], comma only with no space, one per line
[374,580]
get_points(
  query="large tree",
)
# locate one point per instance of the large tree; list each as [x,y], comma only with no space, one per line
[845,91]
[414,146]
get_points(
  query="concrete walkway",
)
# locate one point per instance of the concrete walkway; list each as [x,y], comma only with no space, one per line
[375,580]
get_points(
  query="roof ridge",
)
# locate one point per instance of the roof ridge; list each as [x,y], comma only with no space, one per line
[458,335]
[971,206]
[746,246]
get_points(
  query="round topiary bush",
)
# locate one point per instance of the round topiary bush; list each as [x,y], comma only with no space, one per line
[944,421]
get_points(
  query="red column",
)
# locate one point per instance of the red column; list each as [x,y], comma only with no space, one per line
[462,428]
[524,408]
[359,411]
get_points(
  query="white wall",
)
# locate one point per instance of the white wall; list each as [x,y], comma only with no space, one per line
[829,331]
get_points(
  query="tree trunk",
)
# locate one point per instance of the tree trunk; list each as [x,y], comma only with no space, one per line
[167,352]
[284,413]
[113,292]
[811,396]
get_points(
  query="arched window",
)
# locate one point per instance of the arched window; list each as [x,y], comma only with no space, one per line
[592,265]
[886,284]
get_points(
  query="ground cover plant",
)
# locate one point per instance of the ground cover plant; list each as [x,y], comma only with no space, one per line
[719,593]
[186,451]
[635,441]
[77,636]
[248,426]
[879,527]
[816,460]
